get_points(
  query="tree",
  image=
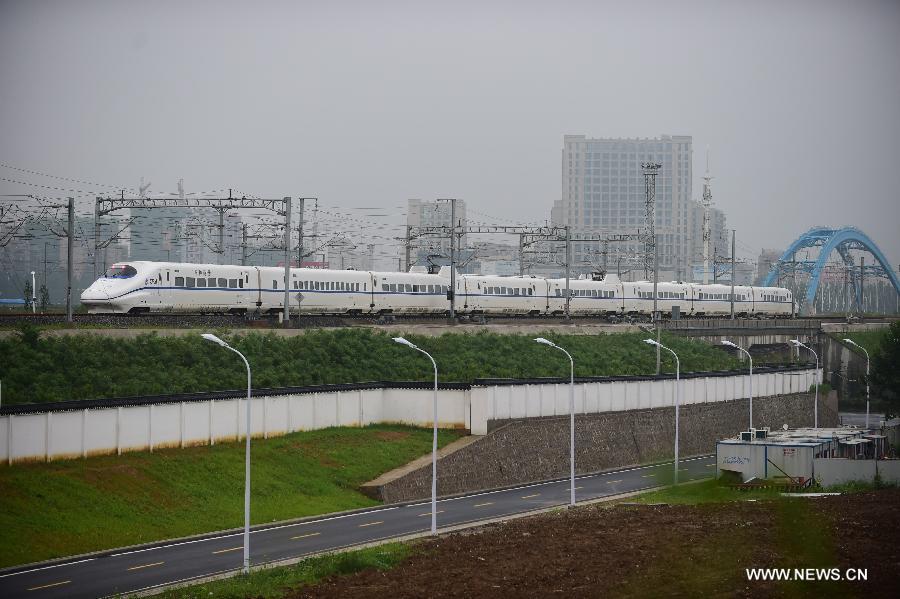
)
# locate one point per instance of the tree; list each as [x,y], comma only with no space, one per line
[43,298]
[29,291]
[885,374]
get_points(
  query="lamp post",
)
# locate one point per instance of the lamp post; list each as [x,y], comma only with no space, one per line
[212,338]
[33,296]
[852,342]
[571,417]
[816,404]
[677,396]
[735,346]
[403,341]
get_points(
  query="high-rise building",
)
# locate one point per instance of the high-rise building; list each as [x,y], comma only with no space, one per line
[603,193]
[435,249]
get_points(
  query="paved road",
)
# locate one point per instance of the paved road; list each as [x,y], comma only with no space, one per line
[133,570]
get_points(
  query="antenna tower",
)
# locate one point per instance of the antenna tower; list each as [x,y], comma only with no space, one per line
[707,232]
[650,171]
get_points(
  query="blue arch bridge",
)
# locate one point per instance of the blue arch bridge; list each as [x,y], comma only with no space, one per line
[829,240]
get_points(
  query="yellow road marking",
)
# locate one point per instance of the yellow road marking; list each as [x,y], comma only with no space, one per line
[647,475]
[576,488]
[52,584]
[429,513]
[710,465]
[483,504]
[227,550]
[372,523]
[530,496]
[310,534]
[146,566]
[609,482]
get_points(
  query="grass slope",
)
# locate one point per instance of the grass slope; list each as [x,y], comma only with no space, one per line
[90,367]
[64,508]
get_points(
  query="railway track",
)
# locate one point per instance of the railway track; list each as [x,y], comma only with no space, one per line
[15,319]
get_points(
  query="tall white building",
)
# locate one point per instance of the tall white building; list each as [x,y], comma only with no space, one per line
[603,193]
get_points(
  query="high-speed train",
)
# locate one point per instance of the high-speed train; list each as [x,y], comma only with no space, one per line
[139,287]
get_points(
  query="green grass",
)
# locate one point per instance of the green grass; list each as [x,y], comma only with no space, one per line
[69,507]
[86,366]
[708,491]
[274,582]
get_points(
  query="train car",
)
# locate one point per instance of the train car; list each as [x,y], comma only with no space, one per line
[502,295]
[410,293]
[715,300]
[140,286]
[318,291]
[588,297]
[773,302]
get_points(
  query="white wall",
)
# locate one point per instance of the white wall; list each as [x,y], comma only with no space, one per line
[80,433]
[836,471]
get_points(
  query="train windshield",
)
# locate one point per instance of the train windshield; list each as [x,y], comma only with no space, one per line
[120,271]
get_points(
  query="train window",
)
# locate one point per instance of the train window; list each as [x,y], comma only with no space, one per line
[190,282]
[408,287]
[531,292]
[179,281]
[167,276]
[232,283]
[121,271]
[385,287]
[223,282]
[365,286]
[201,282]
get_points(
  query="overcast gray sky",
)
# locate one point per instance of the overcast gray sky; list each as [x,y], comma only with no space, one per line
[371,103]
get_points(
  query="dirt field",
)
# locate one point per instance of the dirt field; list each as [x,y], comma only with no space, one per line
[659,550]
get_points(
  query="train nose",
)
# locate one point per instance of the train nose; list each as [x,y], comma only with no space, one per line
[95,295]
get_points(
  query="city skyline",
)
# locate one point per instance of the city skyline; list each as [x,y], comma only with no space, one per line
[801,131]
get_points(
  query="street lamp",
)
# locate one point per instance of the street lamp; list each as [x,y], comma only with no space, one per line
[852,342]
[212,338]
[677,397]
[33,296]
[571,417]
[816,404]
[403,341]
[735,346]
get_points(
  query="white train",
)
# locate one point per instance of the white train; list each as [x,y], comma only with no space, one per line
[136,287]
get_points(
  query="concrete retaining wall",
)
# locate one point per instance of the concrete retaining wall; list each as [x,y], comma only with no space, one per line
[534,449]
[48,435]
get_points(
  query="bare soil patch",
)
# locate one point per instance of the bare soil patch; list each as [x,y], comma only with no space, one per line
[640,551]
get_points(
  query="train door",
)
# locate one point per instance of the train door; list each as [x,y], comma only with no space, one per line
[163,292]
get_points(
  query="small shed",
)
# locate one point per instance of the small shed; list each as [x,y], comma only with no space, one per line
[789,453]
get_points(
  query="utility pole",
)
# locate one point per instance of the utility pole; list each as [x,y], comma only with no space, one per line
[407,249]
[70,245]
[732,273]
[568,265]
[452,259]
[521,255]
[287,264]
[300,234]
[243,244]
[655,298]
[221,259]
[96,238]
